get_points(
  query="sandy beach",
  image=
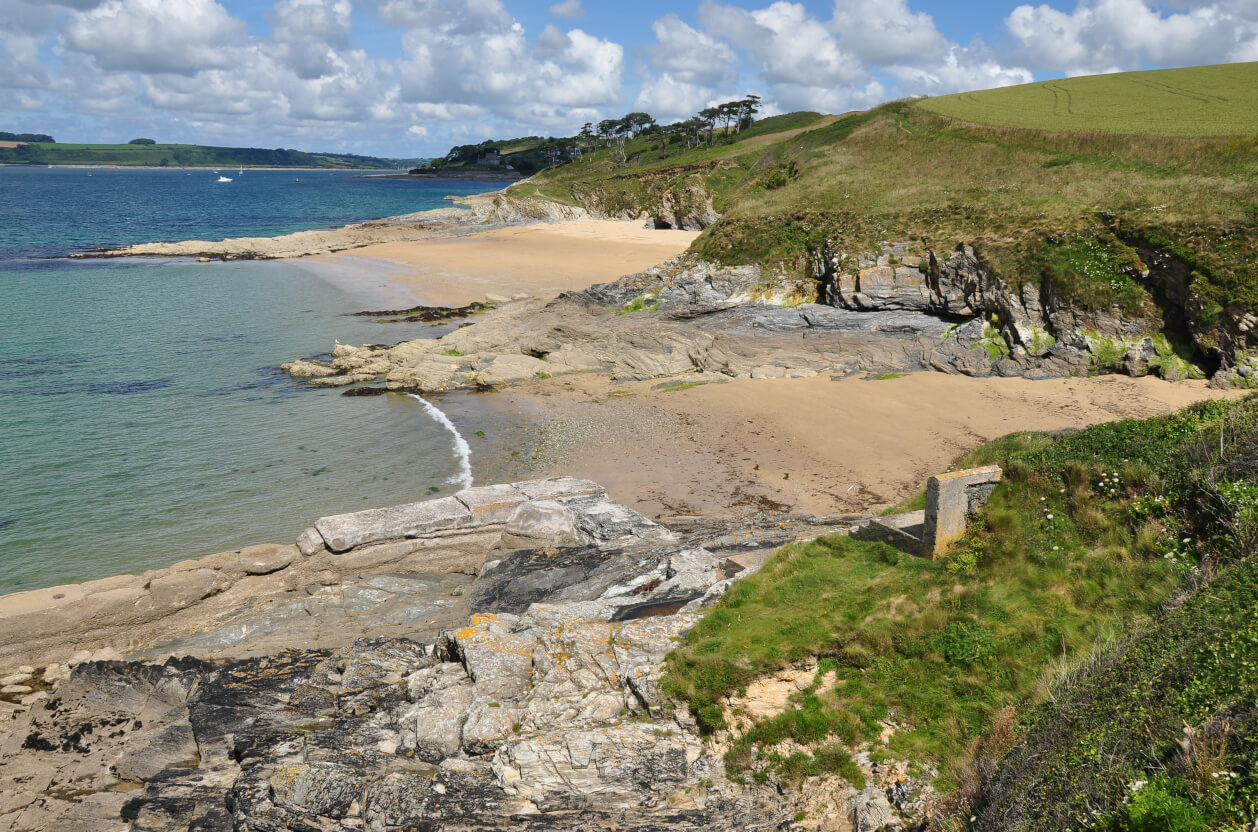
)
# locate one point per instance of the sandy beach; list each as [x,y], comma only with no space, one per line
[813,445]
[541,260]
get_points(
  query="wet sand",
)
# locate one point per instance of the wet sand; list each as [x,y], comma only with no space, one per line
[812,445]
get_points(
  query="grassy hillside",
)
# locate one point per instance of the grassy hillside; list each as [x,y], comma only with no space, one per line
[1196,101]
[1087,542]
[1048,208]
[181,155]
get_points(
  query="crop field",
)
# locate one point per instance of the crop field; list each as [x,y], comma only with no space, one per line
[1217,100]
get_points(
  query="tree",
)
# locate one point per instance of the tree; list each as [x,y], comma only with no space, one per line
[709,117]
[141,141]
[747,109]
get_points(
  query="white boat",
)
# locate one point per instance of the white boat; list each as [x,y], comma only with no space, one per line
[223,179]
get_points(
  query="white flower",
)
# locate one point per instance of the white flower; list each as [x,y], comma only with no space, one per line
[1050,517]
[1055,548]
[1188,540]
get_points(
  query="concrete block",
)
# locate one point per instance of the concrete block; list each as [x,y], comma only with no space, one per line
[491,504]
[949,498]
[903,531]
[343,532]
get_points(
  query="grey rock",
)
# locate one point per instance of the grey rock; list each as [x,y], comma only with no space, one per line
[310,542]
[542,522]
[343,532]
[870,811]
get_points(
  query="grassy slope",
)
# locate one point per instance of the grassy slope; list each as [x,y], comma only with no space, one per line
[1196,101]
[1086,537]
[1029,200]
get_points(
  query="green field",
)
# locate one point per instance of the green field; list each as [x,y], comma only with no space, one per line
[184,155]
[1197,101]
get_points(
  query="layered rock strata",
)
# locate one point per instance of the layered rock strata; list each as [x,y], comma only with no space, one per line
[382,571]
[539,708]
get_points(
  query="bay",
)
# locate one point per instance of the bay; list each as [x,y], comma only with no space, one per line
[143,417]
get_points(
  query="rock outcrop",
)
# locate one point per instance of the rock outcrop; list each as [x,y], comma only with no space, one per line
[402,569]
[676,319]
[537,707]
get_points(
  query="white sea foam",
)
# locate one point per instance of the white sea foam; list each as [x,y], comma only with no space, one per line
[461,449]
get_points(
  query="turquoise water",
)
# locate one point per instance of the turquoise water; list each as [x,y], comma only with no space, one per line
[143,418]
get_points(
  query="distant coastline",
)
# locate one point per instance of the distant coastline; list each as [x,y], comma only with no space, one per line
[474,175]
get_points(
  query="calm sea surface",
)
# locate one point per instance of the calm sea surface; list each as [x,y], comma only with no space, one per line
[143,418]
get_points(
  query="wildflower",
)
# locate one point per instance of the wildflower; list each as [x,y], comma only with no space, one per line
[1050,517]
[1055,548]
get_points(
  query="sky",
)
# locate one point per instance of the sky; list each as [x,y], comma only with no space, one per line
[411,78]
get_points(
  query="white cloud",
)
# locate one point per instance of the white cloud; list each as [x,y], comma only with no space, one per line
[179,36]
[568,9]
[1103,34]
[670,99]
[886,31]
[959,70]
[790,47]
[554,81]
[690,56]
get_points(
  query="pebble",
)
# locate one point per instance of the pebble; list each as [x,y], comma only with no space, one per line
[15,679]
[16,689]
[26,668]
[37,696]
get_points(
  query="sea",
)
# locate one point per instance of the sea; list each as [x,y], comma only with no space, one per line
[143,416]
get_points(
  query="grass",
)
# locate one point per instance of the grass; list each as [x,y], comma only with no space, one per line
[1159,733]
[1083,540]
[1197,101]
[1067,209]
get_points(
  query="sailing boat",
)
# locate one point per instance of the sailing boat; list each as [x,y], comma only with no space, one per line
[223,179]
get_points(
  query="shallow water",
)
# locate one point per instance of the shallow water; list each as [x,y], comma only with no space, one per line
[143,417]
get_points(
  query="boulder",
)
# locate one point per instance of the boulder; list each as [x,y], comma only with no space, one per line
[307,369]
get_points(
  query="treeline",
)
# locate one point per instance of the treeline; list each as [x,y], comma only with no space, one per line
[185,155]
[532,153]
[25,137]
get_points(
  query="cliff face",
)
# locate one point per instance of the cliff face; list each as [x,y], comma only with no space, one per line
[1032,330]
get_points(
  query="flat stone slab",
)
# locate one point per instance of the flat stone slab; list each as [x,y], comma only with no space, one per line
[343,532]
[491,503]
[559,488]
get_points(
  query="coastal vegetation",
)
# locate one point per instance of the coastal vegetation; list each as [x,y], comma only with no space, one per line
[1074,213]
[1095,628]
[42,150]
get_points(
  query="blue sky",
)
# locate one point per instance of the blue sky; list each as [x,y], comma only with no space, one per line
[412,77]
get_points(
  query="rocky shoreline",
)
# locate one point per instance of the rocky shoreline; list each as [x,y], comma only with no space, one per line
[879,313]
[530,700]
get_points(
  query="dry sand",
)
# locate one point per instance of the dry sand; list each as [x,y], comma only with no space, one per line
[804,445]
[541,260]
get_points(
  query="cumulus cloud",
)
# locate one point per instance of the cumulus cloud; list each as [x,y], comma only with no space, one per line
[887,31]
[1099,35]
[569,9]
[482,57]
[178,36]
[689,56]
